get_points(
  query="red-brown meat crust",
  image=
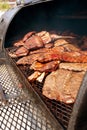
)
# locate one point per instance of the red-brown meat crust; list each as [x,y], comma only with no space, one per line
[28,59]
[22,51]
[56,54]
[28,35]
[34,42]
[45,67]
[62,85]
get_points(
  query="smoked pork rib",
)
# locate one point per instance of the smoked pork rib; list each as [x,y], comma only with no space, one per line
[34,57]
[56,53]
[73,66]
[45,67]
[34,76]
[25,38]
[61,85]
[33,42]
[63,55]
[28,59]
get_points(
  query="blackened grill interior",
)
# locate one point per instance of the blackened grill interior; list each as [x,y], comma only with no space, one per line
[61,16]
[55,15]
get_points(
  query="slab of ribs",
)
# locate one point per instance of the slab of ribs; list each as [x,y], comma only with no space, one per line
[59,61]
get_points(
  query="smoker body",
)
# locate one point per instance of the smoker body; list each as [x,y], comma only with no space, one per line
[52,15]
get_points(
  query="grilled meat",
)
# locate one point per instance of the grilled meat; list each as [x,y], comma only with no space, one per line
[45,36]
[71,47]
[28,59]
[34,42]
[46,50]
[52,54]
[48,37]
[76,57]
[28,35]
[55,37]
[41,50]
[56,53]
[61,85]
[19,43]
[45,67]
[41,34]
[11,51]
[49,45]
[63,54]
[41,77]
[84,43]
[22,51]
[74,66]
[34,57]
[34,76]
[25,38]
[60,42]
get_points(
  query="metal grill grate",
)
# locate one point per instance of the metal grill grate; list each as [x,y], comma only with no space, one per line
[7,83]
[60,110]
[20,113]
[23,116]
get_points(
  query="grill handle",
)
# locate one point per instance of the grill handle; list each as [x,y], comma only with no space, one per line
[27,2]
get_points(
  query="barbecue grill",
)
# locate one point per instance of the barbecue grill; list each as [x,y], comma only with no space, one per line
[22,105]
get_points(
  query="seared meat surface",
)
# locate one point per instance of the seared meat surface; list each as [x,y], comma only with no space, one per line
[59,59]
[37,55]
[33,40]
[63,85]
[22,51]
[73,66]
[45,67]
[28,35]
[45,36]
[28,59]
[63,55]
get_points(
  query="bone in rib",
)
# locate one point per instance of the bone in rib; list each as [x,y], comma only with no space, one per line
[45,67]
[73,66]
[63,55]
[34,57]
[62,85]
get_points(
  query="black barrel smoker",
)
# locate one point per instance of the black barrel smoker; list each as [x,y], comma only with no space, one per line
[21,106]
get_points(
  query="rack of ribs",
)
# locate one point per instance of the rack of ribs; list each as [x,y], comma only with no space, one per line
[63,85]
[33,41]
